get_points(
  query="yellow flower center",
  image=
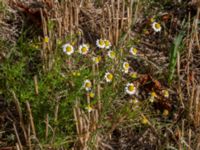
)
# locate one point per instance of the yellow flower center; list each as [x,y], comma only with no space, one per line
[157,26]
[97,59]
[135,101]
[107,43]
[153,94]
[91,94]
[165,112]
[35,46]
[84,49]
[126,65]
[59,41]
[46,39]
[89,108]
[79,32]
[76,73]
[88,85]
[68,49]
[134,51]
[131,88]
[73,43]
[134,75]
[112,54]
[110,76]
[144,120]
[166,93]
[101,42]
[152,19]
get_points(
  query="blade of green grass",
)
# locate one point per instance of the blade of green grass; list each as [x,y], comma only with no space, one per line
[175,49]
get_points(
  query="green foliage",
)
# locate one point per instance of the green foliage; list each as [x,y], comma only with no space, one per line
[176,48]
[17,74]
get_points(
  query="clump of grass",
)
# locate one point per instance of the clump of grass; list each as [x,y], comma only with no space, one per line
[175,50]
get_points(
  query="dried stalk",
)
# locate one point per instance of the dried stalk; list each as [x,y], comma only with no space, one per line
[47,127]
[31,118]
[88,102]
[99,97]
[29,136]
[17,104]
[17,136]
[197,107]
[36,85]
[179,82]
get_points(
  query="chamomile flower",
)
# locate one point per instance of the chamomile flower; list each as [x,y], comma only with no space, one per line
[89,108]
[75,73]
[83,49]
[108,77]
[68,49]
[133,51]
[91,94]
[152,19]
[111,54]
[87,85]
[100,43]
[156,26]
[126,67]
[59,41]
[96,60]
[134,75]
[46,39]
[130,88]
[144,120]
[134,101]
[79,33]
[165,113]
[107,44]
[165,93]
[35,46]
[152,96]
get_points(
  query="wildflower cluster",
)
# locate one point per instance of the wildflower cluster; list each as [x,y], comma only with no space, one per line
[69,49]
[103,43]
[98,57]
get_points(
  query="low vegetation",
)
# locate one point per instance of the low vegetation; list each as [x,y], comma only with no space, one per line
[96,74]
